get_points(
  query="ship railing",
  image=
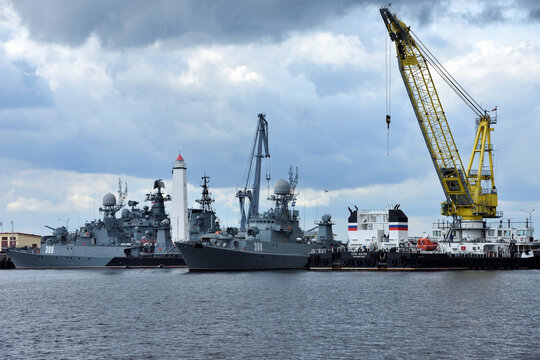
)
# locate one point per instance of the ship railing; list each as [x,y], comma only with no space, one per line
[490,254]
[510,224]
[506,224]
[326,250]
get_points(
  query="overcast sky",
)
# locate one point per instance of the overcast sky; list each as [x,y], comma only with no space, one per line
[96,90]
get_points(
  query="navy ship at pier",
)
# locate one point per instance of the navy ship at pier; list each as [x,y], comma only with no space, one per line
[137,238]
[270,240]
[273,240]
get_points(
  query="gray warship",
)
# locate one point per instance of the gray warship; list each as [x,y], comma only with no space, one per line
[138,238]
[269,241]
[273,240]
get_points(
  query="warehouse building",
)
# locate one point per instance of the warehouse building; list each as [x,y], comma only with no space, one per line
[18,240]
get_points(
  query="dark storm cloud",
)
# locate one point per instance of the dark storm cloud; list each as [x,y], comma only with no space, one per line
[141,22]
[425,12]
[120,23]
[533,9]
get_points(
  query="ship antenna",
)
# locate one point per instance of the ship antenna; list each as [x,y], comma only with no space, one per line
[206,200]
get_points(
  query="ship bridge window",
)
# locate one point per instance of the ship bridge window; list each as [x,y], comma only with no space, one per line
[520,233]
[491,232]
[499,232]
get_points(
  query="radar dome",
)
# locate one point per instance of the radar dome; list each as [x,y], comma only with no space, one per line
[326,218]
[282,187]
[109,200]
[125,213]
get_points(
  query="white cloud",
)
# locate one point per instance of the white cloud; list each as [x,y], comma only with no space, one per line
[242,74]
[325,48]
[30,204]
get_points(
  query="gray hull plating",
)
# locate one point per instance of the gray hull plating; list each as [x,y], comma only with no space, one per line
[211,258]
[61,256]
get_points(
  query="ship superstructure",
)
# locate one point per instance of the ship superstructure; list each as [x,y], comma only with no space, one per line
[203,221]
[374,230]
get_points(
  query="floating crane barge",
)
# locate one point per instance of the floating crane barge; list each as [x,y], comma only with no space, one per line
[379,241]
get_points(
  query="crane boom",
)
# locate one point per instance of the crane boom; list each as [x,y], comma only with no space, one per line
[261,140]
[463,190]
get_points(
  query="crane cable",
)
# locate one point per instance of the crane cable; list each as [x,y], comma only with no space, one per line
[247,171]
[388,83]
[448,78]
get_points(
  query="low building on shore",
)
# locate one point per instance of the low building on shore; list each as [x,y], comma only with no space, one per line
[17,239]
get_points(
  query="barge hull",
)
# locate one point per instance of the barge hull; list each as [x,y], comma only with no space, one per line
[388,261]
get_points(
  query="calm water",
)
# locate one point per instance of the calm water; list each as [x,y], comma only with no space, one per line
[171,314]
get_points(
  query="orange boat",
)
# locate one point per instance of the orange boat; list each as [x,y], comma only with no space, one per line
[426,244]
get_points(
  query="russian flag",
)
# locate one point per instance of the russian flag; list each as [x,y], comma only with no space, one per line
[353,227]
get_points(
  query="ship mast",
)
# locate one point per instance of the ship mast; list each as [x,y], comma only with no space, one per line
[205,201]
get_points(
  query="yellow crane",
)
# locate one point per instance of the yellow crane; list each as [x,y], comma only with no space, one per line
[470,194]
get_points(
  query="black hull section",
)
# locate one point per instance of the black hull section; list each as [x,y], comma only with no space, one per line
[416,261]
[209,258]
[165,261]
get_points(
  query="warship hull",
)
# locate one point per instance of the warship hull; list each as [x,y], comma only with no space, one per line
[161,261]
[200,257]
[90,257]
[416,261]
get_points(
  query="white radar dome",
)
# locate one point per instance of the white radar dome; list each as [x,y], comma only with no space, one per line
[282,187]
